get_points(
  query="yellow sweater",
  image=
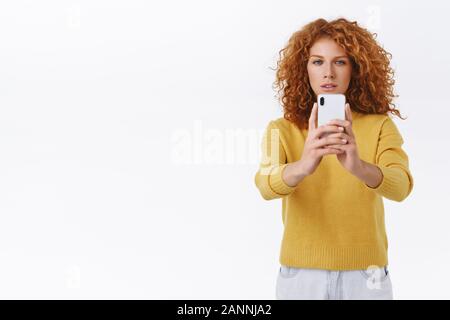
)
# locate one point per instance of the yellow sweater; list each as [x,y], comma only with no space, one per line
[332,220]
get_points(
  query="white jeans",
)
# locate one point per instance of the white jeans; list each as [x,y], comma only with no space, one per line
[320,284]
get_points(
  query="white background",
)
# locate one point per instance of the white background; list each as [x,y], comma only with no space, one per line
[130,135]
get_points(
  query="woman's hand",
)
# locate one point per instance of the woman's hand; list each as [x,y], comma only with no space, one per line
[316,148]
[349,158]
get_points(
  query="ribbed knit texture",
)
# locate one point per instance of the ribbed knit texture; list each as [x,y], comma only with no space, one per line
[332,220]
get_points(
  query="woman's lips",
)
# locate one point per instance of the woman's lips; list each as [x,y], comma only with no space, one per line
[328,87]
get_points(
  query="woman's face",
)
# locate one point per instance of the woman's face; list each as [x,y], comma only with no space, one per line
[328,63]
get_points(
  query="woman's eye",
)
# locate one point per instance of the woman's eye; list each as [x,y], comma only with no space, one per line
[340,62]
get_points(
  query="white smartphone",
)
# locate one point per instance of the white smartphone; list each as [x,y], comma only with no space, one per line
[330,106]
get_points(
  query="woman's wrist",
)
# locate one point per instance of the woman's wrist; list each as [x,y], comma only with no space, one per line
[294,173]
[370,174]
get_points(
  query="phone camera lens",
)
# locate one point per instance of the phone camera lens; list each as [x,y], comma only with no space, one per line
[322,100]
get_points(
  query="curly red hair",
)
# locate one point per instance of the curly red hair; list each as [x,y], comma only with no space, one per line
[370,89]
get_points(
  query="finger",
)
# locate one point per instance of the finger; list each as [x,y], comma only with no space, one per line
[328,151]
[313,117]
[327,142]
[349,112]
[339,122]
[341,135]
[349,126]
[323,129]
[341,147]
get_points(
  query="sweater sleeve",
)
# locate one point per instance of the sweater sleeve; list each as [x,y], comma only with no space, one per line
[268,178]
[392,160]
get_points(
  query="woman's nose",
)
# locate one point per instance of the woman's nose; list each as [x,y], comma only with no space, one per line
[329,72]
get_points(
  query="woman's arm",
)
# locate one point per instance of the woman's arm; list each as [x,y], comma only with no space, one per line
[393,163]
[269,178]
[370,174]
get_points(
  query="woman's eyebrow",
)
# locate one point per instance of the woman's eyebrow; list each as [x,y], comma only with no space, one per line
[315,55]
